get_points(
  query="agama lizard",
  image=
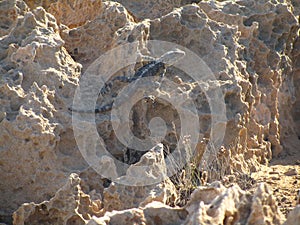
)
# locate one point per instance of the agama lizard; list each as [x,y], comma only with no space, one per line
[156,67]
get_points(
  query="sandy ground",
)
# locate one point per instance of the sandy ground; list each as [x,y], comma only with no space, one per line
[283,176]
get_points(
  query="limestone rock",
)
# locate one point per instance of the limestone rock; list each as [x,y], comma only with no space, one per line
[141,184]
[71,13]
[86,43]
[150,9]
[264,208]
[293,217]
[243,24]
[9,11]
[153,213]
[214,204]
[36,3]
[252,48]
[69,206]
[190,27]
[233,206]
[75,13]
[289,98]
[37,82]
[264,40]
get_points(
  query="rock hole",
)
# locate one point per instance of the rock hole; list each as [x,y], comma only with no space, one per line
[130,38]
[266,139]
[43,207]
[106,183]
[74,220]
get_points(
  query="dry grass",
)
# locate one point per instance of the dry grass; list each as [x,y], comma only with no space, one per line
[200,169]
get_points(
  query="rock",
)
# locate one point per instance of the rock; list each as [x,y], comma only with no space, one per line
[86,43]
[141,184]
[150,9]
[291,172]
[293,217]
[208,205]
[70,13]
[37,82]
[156,213]
[264,208]
[252,49]
[153,213]
[74,13]
[261,109]
[202,27]
[69,205]
[215,204]
[9,11]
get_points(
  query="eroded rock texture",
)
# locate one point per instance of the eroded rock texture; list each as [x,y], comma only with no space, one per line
[251,47]
[86,43]
[293,217]
[9,12]
[70,205]
[209,205]
[151,168]
[37,81]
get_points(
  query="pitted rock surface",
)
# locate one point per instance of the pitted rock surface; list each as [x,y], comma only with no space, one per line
[252,48]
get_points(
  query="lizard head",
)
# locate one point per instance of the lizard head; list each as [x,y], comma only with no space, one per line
[172,56]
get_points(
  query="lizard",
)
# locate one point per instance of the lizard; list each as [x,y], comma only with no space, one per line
[155,67]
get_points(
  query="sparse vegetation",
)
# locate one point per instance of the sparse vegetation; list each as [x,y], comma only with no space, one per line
[215,165]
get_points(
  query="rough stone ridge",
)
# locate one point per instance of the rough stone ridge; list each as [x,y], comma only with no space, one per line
[263,40]
[70,205]
[293,217]
[9,11]
[289,97]
[71,13]
[273,28]
[214,204]
[150,9]
[37,82]
[153,213]
[86,43]
[252,47]
[128,192]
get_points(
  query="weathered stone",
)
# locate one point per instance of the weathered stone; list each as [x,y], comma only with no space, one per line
[141,184]
[293,217]
[252,47]
[37,82]
[69,206]
[150,9]
[9,11]
[71,13]
[75,13]
[86,43]
[208,205]
[152,214]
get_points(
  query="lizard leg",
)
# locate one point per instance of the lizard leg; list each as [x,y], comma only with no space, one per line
[161,77]
[107,87]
